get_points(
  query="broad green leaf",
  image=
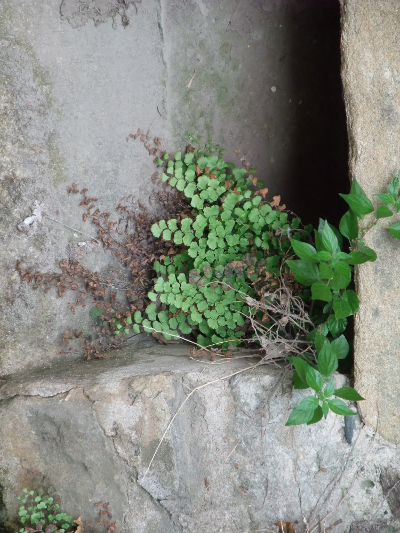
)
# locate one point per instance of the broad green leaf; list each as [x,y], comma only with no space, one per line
[368,251]
[340,347]
[303,412]
[325,409]
[395,230]
[352,298]
[318,242]
[329,239]
[349,225]
[329,387]
[304,251]
[327,360]
[348,393]
[301,367]
[325,271]
[321,291]
[393,187]
[319,341]
[322,329]
[314,378]
[318,414]
[383,212]
[342,256]
[152,296]
[356,258]
[386,198]
[298,383]
[342,308]
[336,326]
[340,408]
[358,201]
[341,277]
[321,227]
[178,156]
[323,256]
[304,272]
[136,328]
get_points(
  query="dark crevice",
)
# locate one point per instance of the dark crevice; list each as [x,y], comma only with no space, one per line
[319,161]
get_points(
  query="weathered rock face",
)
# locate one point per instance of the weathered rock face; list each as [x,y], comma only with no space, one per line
[371,73]
[76,79]
[227,462]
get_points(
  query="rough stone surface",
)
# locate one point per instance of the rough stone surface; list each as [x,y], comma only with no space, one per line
[79,12]
[75,80]
[227,464]
[371,74]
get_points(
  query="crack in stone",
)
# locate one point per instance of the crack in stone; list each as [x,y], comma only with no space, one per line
[159,505]
[27,395]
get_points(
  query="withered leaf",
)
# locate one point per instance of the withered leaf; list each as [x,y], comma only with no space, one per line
[276,201]
[285,527]
[79,529]
[262,192]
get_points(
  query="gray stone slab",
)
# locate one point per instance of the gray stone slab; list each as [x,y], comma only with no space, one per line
[227,463]
[371,87]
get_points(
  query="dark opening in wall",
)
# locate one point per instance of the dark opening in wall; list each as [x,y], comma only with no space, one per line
[319,155]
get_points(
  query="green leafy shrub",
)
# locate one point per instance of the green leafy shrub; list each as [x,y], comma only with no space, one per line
[231,244]
[328,270]
[39,512]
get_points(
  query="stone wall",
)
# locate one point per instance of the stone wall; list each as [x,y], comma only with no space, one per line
[371,76]
[77,77]
[226,463]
